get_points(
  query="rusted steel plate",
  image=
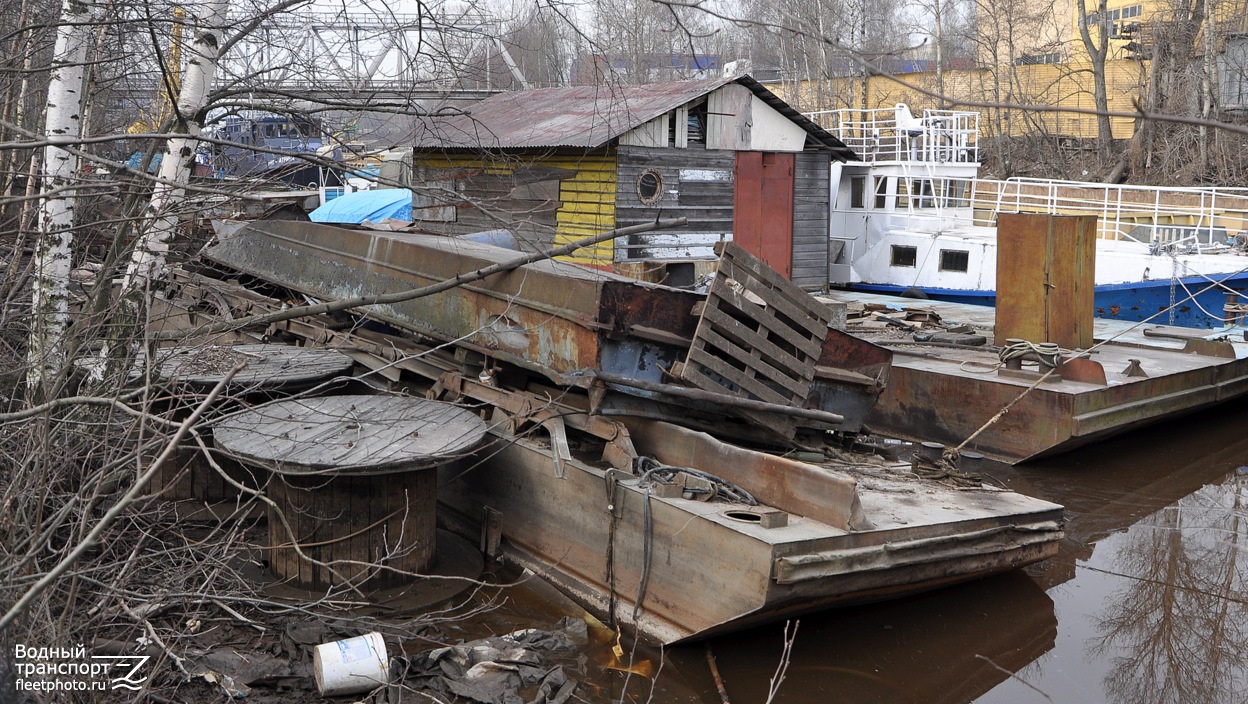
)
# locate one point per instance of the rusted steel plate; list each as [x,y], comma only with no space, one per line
[922,405]
[543,316]
[827,496]
[922,402]
[1084,370]
[558,528]
[556,318]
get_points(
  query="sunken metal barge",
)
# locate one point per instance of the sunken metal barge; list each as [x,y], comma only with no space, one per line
[668,508]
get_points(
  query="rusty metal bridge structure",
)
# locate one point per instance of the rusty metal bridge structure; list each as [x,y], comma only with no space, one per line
[360,56]
[382,55]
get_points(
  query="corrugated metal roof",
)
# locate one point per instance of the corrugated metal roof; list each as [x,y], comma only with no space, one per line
[585,116]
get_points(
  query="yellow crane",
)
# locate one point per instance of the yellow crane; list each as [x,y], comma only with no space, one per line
[154,117]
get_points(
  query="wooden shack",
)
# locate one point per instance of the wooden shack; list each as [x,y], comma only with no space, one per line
[555,165]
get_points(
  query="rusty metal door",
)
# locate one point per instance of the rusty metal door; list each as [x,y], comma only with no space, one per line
[1045,278]
[762,222]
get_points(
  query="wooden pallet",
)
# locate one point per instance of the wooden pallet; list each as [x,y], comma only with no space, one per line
[759,335]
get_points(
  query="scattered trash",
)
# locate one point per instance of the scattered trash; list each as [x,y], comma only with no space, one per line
[236,672]
[351,666]
[507,669]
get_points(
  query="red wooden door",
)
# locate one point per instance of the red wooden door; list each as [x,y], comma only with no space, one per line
[762,220]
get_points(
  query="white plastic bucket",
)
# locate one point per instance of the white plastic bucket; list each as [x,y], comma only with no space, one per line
[351,666]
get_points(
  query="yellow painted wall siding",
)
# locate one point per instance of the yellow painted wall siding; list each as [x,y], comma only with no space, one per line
[587,198]
[588,209]
[1059,85]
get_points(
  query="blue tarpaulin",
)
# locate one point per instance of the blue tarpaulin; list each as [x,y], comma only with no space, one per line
[376,205]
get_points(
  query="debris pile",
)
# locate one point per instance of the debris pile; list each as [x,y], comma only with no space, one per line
[508,669]
[888,324]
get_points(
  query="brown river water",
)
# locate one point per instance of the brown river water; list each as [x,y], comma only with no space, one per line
[1145,604]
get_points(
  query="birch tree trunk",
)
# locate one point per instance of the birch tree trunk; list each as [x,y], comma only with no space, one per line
[159,221]
[168,196]
[53,251]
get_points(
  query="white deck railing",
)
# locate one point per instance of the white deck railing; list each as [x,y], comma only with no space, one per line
[1149,214]
[893,134]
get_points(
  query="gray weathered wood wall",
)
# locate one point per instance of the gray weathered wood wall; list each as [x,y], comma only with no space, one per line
[697,184]
[811,197]
[518,195]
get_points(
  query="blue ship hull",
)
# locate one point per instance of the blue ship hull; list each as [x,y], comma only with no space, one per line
[1136,301]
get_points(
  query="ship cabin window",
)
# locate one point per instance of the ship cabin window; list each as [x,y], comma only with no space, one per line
[904,255]
[955,260]
[957,194]
[919,193]
[881,193]
[922,195]
[650,186]
[858,192]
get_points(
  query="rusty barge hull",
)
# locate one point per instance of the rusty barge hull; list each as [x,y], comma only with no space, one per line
[946,395]
[667,567]
[675,569]
[554,319]
[926,404]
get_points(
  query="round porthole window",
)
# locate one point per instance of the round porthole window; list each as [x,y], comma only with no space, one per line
[650,186]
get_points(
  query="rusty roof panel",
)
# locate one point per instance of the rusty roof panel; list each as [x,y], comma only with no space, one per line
[585,116]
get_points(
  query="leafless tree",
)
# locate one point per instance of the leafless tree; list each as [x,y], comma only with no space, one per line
[85,555]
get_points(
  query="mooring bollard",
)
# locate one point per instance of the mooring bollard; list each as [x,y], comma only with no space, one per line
[929,451]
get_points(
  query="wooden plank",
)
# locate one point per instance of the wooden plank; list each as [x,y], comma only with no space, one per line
[694,374]
[724,324]
[761,367]
[796,337]
[703,200]
[638,158]
[706,188]
[809,249]
[803,315]
[801,303]
[700,357]
[723,342]
[358,433]
[277,533]
[756,342]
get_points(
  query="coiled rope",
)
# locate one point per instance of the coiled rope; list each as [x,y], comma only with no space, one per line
[654,472]
[1048,353]
[945,469]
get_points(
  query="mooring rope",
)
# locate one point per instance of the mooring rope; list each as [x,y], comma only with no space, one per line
[945,467]
[1047,352]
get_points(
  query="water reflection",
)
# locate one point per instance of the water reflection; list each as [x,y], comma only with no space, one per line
[1174,631]
[1148,588]
[946,646]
